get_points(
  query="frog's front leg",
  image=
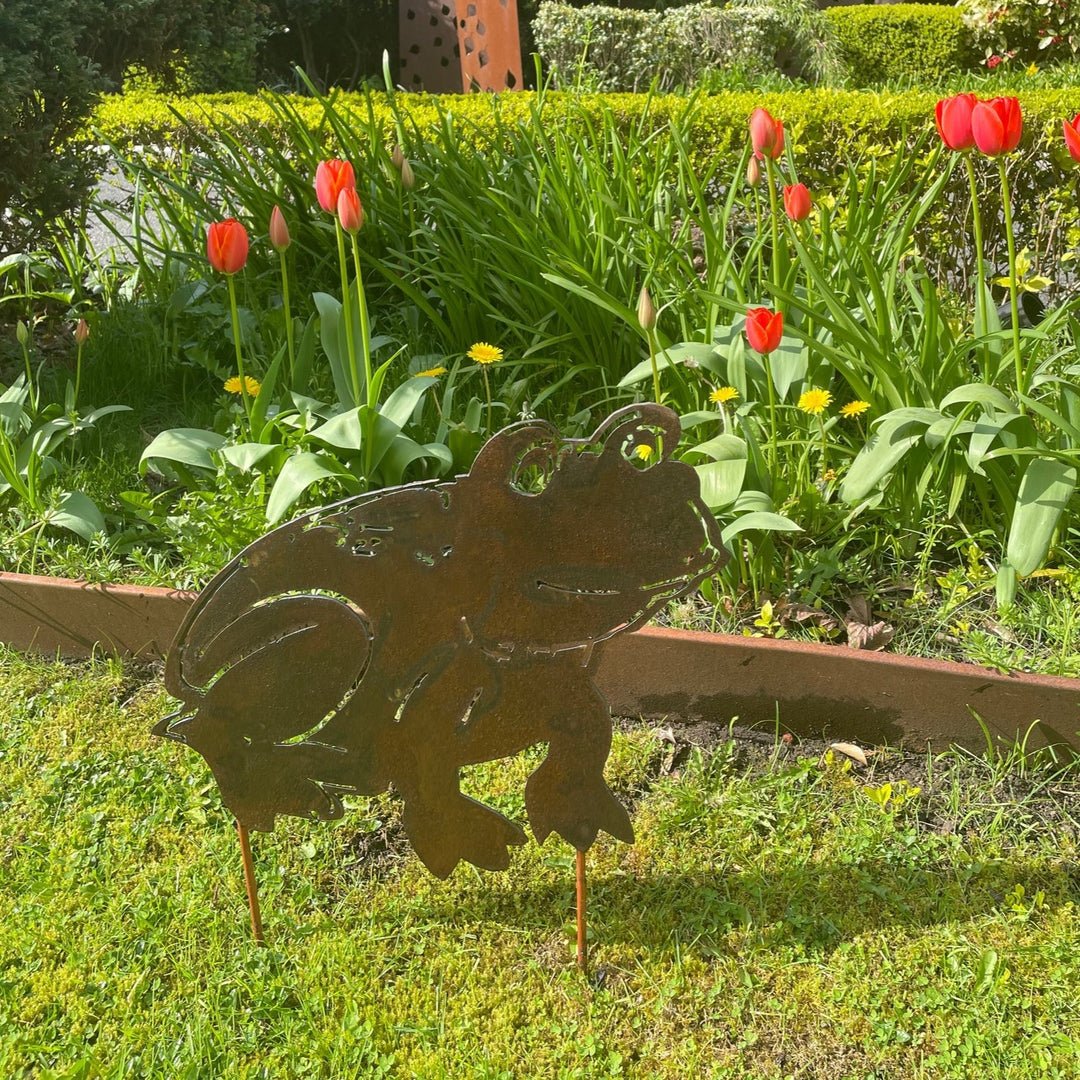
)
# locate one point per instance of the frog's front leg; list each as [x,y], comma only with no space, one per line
[445,826]
[554,700]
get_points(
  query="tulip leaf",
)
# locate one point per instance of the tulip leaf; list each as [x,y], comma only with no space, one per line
[788,363]
[758,519]
[186,446]
[335,345]
[78,514]
[296,476]
[894,437]
[721,481]
[1045,490]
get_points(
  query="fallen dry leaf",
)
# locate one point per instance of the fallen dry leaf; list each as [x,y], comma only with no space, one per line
[862,631]
[805,614]
[850,750]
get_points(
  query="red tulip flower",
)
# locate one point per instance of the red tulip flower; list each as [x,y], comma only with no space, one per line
[1072,137]
[227,246]
[764,329]
[766,134]
[350,212]
[953,116]
[796,202]
[997,125]
[279,231]
[331,179]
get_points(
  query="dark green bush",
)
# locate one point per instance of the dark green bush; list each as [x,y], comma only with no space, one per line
[58,56]
[920,42]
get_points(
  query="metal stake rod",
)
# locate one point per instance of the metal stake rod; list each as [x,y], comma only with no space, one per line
[582,948]
[251,884]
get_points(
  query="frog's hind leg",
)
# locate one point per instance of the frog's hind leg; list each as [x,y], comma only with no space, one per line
[567,793]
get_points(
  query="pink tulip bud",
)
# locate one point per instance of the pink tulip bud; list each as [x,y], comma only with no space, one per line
[331,178]
[227,245]
[753,170]
[82,332]
[350,212]
[796,202]
[408,177]
[646,313]
[279,231]
[766,134]
[397,156]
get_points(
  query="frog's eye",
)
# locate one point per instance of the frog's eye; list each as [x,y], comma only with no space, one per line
[534,468]
[642,435]
[643,448]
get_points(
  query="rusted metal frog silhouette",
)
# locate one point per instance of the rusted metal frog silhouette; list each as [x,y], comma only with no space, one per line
[402,635]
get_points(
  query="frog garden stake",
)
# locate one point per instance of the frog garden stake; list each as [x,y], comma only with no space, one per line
[401,635]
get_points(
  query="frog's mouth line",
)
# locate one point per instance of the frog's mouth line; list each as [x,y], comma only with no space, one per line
[576,590]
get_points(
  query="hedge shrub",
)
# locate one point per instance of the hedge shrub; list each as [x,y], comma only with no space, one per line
[620,49]
[893,41]
[823,126]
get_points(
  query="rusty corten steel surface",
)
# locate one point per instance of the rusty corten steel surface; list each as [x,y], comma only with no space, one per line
[814,689]
[403,635]
[73,618]
[428,46]
[489,44]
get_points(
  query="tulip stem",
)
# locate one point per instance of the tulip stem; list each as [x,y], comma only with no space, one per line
[365,322]
[772,412]
[239,354]
[346,300]
[774,217]
[1014,306]
[980,288]
[288,320]
[655,369]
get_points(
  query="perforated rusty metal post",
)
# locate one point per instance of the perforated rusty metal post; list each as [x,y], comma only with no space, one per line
[451,46]
[404,635]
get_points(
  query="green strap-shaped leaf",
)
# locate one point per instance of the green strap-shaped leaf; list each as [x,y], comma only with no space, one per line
[79,514]
[882,454]
[296,476]
[398,407]
[186,446]
[759,519]
[1045,490]
[721,481]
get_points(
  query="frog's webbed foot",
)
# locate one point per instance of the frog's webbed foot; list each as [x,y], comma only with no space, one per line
[459,828]
[574,803]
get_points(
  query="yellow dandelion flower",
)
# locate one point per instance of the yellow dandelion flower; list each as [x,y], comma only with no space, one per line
[643,451]
[1033,68]
[433,372]
[232,386]
[815,401]
[723,394]
[854,408]
[483,353]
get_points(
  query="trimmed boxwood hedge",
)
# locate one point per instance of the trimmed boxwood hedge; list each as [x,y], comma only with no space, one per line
[824,128]
[893,41]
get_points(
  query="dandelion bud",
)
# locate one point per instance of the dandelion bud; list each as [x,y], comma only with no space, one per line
[397,156]
[646,313]
[82,332]
[408,177]
[753,171]
[22,334]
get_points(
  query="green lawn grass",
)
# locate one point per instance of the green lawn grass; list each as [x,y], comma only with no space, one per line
[771,921]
